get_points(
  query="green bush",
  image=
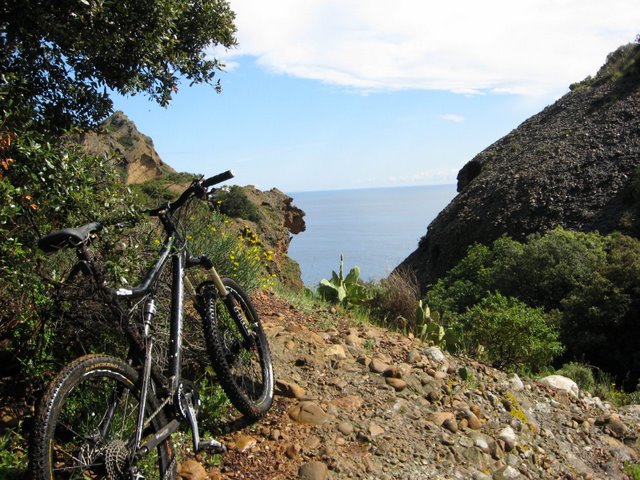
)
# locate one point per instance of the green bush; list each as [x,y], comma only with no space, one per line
[240,255]
[509,333]
[592,280]
[233,202]
[581,374]
[43,186]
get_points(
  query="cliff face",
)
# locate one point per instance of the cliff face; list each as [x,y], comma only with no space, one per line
[279,219]
[572,165]
[133,151]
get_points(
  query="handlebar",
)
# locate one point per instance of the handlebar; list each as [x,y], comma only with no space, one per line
[197,187]
[221,177]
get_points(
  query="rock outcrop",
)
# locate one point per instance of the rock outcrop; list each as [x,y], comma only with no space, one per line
[118,138]
[572,165]
[279,219]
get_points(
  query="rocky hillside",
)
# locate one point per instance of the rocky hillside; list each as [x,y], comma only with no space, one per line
[278,219]
[118,138]
[575,164]
[355,401]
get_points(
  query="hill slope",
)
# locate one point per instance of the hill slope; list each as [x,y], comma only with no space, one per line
[133,151]
[575,164]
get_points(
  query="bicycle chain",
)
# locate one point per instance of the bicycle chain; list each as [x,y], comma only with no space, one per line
[167,474]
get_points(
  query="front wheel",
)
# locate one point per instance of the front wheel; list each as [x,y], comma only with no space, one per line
[238,348]
[86,422]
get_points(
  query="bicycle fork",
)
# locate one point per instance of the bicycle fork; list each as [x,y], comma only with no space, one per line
[222,291]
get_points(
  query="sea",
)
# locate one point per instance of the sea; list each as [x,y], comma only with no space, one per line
[374,228]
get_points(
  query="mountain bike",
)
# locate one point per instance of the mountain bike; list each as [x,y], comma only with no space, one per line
[104,416]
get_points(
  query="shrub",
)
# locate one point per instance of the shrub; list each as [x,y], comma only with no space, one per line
[395,299]
[580,373]
[465,284]
[592,280]
[509,333]
[240,255]
[600,319]
[43,186]
[233,202]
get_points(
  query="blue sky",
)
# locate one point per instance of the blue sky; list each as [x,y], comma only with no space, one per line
[324,94]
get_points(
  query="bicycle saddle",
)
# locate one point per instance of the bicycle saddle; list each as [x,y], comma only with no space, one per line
[68,237]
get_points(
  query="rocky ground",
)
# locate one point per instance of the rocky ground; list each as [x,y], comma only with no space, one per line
[359,402]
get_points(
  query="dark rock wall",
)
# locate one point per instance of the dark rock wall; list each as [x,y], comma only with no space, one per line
[568,166]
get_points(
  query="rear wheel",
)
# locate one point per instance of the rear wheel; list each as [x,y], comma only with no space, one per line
[238,348]
[85,425]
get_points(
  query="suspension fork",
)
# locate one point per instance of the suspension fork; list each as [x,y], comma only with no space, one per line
[149,311]
[229,300]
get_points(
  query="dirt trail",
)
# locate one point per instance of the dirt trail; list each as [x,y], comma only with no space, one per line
[357,401]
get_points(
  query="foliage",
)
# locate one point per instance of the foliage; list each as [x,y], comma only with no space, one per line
[343,290]
[240,255]
[509,333]
[214,402]
[633,470]
[48,186]
[233,202]
[434,328]
[599,383]
[592,280]
[600,318]
[580,373]
[59,59]
[622,62]
[540,272]
[162,189]
[13,457]
[621,65]
[43,186]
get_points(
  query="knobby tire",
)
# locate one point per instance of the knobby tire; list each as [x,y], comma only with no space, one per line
[87,414]
[243,368]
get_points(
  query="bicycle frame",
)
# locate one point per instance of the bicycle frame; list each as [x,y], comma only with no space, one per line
[174,248]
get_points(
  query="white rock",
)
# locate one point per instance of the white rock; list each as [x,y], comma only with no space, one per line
[506,473]
[438,358]
[515,383]
[436,354]
[508,436]
[562,384]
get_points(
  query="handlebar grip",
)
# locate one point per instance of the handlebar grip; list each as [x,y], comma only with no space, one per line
[221,177]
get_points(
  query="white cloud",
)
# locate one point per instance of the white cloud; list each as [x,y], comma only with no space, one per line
[452,117]
[528,47]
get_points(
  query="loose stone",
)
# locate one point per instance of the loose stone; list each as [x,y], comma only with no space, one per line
[397,383]
[378,366]
[308,412]
[313,471]
[346,428]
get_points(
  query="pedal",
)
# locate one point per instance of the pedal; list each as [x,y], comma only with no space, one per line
[212,446]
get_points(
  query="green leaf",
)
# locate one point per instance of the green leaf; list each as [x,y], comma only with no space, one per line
[353,276]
